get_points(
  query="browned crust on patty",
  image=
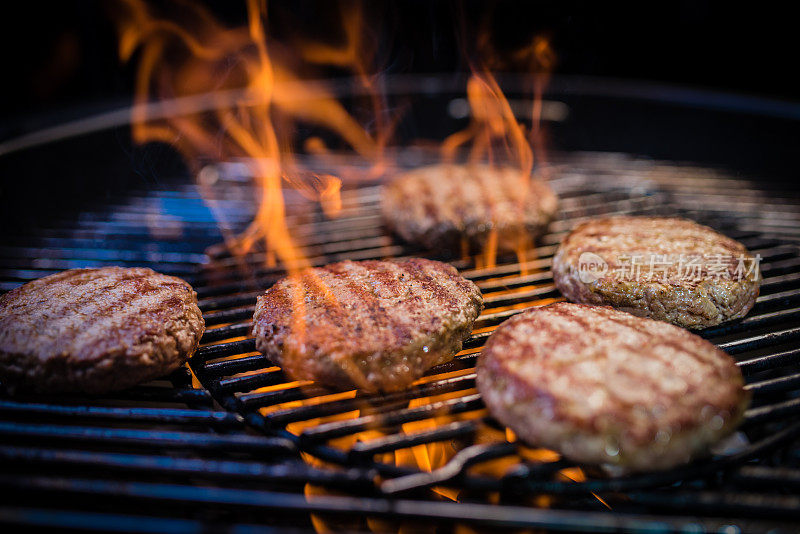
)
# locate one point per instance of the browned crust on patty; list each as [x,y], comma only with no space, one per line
[96,330]
[676,294]
[605,387]
[441,205]
[373,325]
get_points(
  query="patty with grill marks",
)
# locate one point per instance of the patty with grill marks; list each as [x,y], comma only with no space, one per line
[446,206]
[607,388]
[371,325]
[96,330]
[669,269]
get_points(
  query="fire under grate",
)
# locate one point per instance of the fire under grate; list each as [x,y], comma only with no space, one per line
[246,440]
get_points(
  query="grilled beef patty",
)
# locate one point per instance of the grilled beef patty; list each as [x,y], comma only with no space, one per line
[373,325]
[444,206]
[605,387]
[96,330]
[669,269]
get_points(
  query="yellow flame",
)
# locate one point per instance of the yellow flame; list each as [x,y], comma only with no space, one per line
[494,133]
[255,102]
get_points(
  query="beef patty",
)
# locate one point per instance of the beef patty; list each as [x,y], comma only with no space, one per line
[670,269]
[96,330]
[445,206]
[373,325]
[607,388]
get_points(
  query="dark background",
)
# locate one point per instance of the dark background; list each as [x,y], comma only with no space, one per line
[59,55]
[615,65]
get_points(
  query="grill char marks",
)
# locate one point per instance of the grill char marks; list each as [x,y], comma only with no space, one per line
[438,206]
[373,325]
[96,330]
[668,289]
[605,387]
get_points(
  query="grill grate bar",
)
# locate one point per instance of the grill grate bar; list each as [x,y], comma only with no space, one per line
[761,341]
[769,251]
[522,280]
[373,212]
[722,503]
[285,471]
[775,301]
[250,382]
[329,248]
[460,383]
[25,517]
[536,478]
[752,322]
[781,267]
[150,415]
[448,385]
[783,383]
[779,280]
[288,503]
[229,316]
[253,401]
[239,365]
[768,477]
[547,290]
[45,255]
[772,412]
[368,402]
[145,438]
[226,332]
[228,302]
[210,352]
[770,361]
[342,252]
[176,395]
[458,429]
[255,362]
[335,429]
[463,459]
[228,295]
[233,274]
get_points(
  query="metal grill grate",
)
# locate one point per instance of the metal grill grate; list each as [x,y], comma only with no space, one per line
[169,445]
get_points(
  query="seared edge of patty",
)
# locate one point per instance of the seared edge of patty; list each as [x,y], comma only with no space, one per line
[441,205]
[96,330]
[604,387]
[685,302]
[373,325]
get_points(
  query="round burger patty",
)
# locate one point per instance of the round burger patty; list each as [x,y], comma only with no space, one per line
[669,269]
[444,206]
[96,330]
[373,325]
[607,388]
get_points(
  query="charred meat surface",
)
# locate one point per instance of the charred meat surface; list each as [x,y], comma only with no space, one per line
[96,330]
[372,325]
[445,206]
[608,388]
[669,269]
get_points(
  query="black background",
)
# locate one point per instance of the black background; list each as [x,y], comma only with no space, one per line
[61,55]
[60,62]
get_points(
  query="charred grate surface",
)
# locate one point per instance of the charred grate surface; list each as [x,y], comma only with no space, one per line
[238,438]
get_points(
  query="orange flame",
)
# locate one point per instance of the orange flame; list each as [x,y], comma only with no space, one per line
[358,53]
[494,133]
[225,93]
[541,61]
[218,93]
